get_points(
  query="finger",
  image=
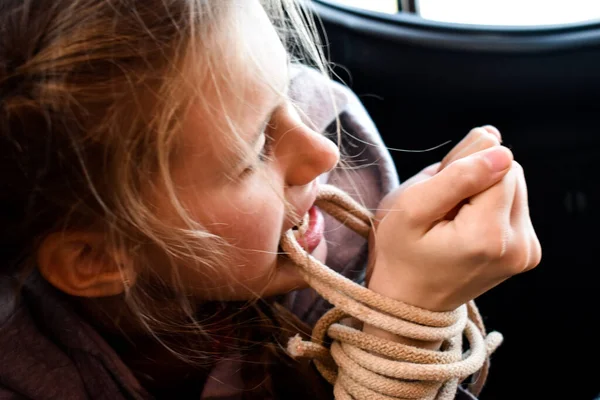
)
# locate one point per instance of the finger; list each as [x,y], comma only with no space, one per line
[387,203]
[481,136]
[484,225]
[520,211]
[431,170]
[494,131]
[535,249]
[425,173]
[432,199]
[490,212]
[521,221]
[484,142]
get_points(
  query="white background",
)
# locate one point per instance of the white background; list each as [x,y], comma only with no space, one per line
[386,6]
[494,12]
[510,12]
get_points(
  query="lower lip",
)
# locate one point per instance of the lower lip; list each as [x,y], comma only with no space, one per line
[314,234]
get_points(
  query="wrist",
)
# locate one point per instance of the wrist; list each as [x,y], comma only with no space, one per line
[407,289]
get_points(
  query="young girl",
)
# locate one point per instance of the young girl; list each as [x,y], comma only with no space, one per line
[154,152]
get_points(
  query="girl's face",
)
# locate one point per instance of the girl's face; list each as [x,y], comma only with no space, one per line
[249,198]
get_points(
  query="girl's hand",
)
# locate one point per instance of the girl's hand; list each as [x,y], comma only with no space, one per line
[444,238]
[478,139]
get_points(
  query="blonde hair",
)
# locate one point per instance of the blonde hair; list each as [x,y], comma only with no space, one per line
[91,97]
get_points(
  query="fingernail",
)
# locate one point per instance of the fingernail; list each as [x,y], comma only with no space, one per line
[498,159]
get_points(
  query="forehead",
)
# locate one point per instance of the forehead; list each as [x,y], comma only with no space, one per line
[241,73]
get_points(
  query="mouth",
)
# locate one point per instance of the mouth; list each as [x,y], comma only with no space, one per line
[309,232]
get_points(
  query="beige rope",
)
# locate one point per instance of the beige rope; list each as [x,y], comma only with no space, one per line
[363,366]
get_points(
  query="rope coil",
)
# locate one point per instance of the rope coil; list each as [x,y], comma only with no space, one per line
[364,366]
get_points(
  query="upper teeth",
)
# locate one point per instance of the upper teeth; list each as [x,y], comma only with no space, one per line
[302,226]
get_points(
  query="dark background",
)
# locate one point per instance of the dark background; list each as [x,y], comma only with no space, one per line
[426,83]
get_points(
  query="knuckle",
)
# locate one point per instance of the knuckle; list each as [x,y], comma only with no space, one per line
[524,254]
[477,133]
[411,215]
[486,136]
[466,174]
[408,204]
[518,258]
[493,130]
[519,174]
[518,168]
[537,257]
[490,245]
[489,140]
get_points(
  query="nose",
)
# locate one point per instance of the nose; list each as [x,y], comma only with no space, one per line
[306,153]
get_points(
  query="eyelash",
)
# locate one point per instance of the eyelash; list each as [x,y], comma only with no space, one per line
[266,151]
[263,155]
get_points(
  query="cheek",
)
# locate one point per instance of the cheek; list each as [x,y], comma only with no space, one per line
[252,224]
[255,237]
[257,231]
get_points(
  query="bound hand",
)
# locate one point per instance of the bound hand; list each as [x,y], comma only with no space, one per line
[455,230]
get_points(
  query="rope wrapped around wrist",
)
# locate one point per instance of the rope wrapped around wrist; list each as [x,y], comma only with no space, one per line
[364,366]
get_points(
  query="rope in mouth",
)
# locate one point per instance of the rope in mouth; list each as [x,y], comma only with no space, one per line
[363,366]
[302,226]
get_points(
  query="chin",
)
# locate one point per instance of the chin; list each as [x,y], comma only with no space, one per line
[287,277]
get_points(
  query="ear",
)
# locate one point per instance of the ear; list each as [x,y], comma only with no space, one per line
[81,264]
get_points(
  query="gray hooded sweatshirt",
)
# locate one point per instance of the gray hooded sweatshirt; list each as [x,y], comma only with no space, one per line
[47,351]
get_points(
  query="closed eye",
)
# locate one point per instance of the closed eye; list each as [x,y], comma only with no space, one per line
[264,155]
[267,150]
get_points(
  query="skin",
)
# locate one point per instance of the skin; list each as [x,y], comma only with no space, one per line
[464,223]
[225,185]
[246,169]
[240,199]
[466,228]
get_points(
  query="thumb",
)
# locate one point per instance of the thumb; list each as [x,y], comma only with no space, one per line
[387,203]
[432,199]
